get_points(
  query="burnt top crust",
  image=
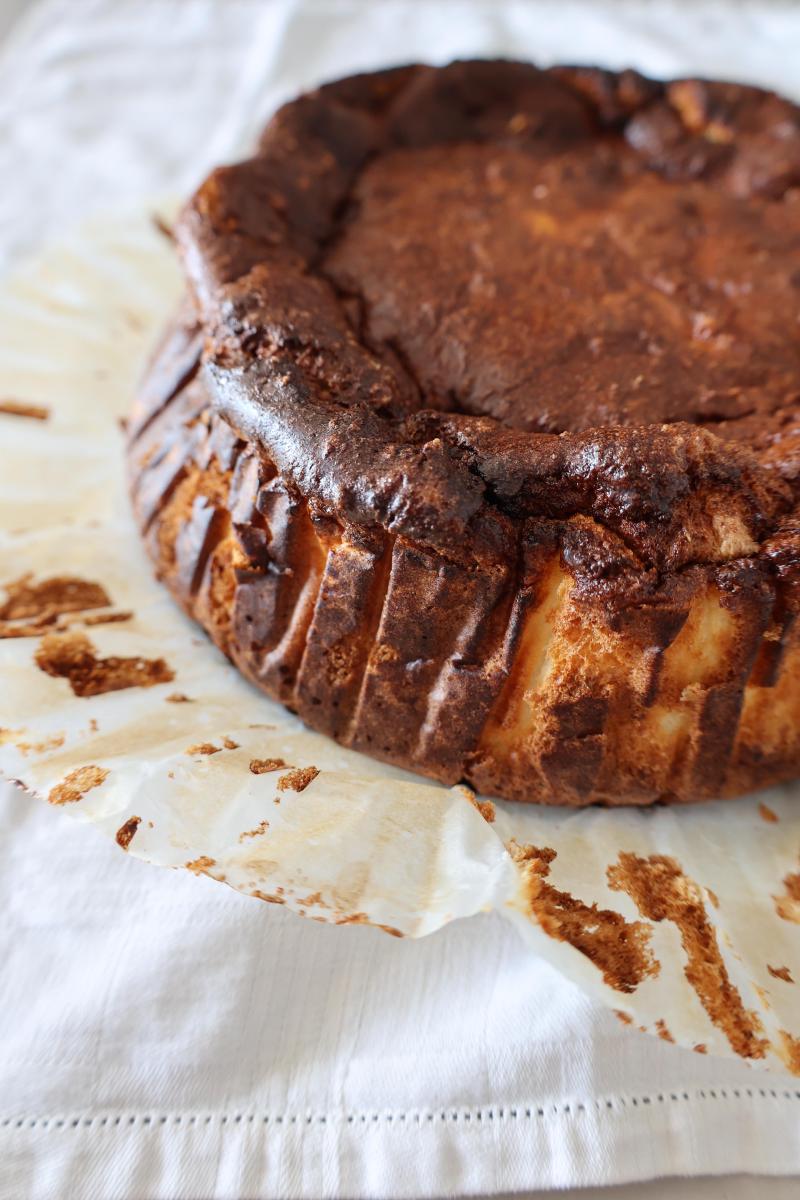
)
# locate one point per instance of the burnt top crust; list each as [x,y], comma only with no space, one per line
[447,300]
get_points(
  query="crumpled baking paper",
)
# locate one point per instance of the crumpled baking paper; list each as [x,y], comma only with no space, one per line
[686,921]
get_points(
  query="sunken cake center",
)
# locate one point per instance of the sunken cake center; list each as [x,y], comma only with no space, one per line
[574,290]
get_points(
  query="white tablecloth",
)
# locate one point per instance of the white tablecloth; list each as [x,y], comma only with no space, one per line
[161,1036]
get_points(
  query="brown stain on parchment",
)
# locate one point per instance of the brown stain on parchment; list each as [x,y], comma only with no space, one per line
[112,618]
[267,897]
[620,949]
[780,973]
[21,408]
[125,833]
[298,779]
[661,892]
[789,1050]
[50,597]
[261,828]
[787,906]
[29,608]
[161,226]
[51,743]
[201,865]
[73,657]
[360,918]
[75,785]
[263,766]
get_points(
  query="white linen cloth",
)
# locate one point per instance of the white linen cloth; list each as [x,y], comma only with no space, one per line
[162,1036]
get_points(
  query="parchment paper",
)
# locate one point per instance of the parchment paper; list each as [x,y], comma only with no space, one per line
[685,921]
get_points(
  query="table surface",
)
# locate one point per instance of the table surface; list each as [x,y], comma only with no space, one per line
[719,1188]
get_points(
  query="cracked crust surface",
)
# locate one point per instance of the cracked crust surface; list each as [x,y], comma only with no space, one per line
[477,442]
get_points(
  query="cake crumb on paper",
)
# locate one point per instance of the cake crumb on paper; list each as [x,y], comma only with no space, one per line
[780,973]
[298,779]
[263,766]
[125,833]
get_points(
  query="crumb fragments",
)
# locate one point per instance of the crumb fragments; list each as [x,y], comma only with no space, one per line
[21,408]
[623,1017]
[484,807]
[75,785]
[298,779]
[125,832]
[73,657]
[620,949]
[700,1048]
[780,973]
[661,892]
[263,766]
[662,1031]
[203,748]
[178,698]
[230,744]
[766,813]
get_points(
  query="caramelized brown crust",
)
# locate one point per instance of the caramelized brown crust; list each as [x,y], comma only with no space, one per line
[477,443]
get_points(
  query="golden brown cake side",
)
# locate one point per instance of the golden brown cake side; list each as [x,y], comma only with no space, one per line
[498,479]
[523,680]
